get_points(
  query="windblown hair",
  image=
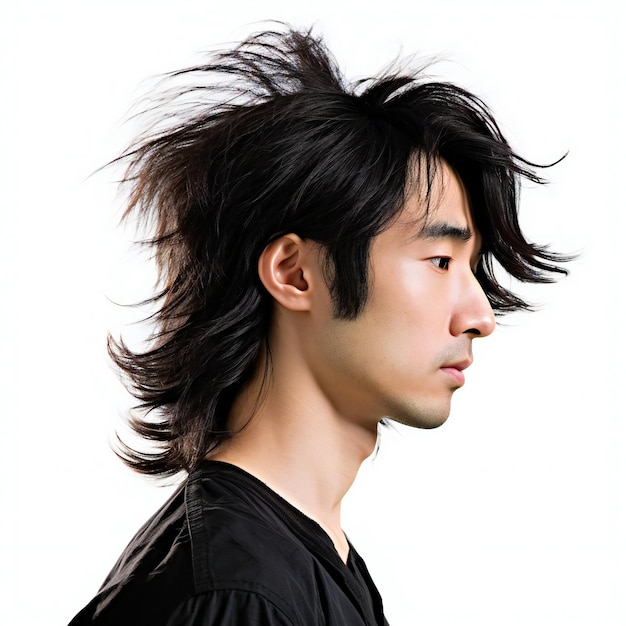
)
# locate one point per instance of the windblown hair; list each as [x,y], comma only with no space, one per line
[273,140]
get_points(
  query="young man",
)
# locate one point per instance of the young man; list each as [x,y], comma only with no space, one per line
[327,258]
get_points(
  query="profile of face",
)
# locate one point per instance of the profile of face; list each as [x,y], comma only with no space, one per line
[404,355]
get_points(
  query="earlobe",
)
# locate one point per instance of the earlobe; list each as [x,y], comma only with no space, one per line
[284,268]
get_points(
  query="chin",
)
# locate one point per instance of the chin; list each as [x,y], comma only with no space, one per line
[421,416]
[428,424]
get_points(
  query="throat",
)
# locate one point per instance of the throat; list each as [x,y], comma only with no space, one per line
[341,544]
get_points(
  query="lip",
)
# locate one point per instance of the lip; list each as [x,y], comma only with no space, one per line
[455,370]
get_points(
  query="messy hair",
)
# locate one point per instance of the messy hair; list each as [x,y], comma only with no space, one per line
[271,139]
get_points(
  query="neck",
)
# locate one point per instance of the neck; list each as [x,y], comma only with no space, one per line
[298,445]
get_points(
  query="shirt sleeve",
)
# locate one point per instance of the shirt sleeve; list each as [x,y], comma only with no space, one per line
[229,608]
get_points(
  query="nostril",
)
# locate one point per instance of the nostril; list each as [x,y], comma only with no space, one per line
[472,331]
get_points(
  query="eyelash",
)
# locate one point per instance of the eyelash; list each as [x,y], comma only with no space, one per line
[441,262]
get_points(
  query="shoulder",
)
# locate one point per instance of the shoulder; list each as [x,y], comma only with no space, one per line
[218,547]
[233,606]
[215,607]
[241,543]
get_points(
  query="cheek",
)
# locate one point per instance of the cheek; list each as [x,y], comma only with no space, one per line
[397,338]
[410,319]
[412,299]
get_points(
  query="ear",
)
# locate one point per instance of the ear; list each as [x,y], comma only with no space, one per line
[286,271]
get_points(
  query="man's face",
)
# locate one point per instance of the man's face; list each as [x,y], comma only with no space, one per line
[403,356]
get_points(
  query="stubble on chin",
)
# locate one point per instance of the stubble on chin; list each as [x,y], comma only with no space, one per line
[425,414]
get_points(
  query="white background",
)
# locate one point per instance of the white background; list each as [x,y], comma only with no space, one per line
[512,513]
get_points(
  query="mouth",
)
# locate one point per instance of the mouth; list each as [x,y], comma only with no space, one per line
[455,371]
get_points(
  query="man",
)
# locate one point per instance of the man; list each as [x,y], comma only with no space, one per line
[327,257]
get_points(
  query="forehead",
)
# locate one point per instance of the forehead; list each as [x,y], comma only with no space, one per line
[441,200]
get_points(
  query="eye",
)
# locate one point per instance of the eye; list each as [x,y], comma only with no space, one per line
[442,262]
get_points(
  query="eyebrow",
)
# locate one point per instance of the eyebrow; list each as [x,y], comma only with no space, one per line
[444,230]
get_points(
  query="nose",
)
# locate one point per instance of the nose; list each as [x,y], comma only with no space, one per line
[473,315]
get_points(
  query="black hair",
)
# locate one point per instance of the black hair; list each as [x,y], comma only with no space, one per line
[273,140]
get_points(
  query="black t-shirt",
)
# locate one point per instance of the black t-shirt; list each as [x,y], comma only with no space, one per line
[226,549]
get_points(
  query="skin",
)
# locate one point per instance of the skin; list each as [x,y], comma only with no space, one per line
[333,380]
